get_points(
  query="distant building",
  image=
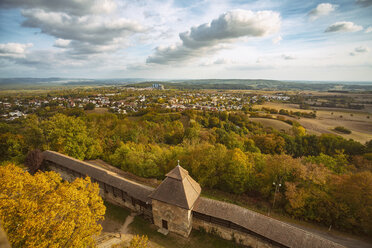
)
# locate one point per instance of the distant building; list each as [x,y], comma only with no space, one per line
[16,114]
[158,86]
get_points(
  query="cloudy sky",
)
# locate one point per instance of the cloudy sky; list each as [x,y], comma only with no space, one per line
[287,39]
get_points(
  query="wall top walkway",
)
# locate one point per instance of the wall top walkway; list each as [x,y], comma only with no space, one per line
[270,228]
[140,191]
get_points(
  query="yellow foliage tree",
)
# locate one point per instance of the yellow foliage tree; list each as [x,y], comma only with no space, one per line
[299,130]
[139,242]
[44,211]
[136,242]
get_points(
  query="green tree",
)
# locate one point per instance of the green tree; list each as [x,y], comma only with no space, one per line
[139,159]
[90,106]
[206,162]
[69,135]
[174,133]
[34,136]
[192,132]
[12,147]
[236,173]
[337,163]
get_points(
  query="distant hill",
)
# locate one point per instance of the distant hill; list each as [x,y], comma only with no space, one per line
[256,84]
[245,84]
[34,83]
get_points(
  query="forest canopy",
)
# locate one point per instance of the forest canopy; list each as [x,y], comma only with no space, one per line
[221,150]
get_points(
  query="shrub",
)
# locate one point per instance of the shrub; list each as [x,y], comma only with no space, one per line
[90,106]
[342,130]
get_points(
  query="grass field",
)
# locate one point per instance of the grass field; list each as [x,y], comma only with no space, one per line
[97,111]
[116,213]
[327,119]
[279,125]
[114,217]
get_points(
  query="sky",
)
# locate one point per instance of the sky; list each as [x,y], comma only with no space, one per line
[187,39]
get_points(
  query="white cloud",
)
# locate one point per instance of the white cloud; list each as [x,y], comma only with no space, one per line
[368,30]
[343,27]
[14,50]
[277,39]
[79,48]
[222,61]
[72,7]
[92,29]
[322,9]
[86,41]
[209,37]
[219,61]
[62,43]
[233,24]
[86,34]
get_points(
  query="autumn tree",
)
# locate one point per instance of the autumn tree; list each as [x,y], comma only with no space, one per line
[270,143]
[278,169]
[44,211]
[139,242]
[308,195]
[298,130]
[352,196]
[136,242]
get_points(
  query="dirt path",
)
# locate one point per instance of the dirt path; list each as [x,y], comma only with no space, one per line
[128,220]
[116,236]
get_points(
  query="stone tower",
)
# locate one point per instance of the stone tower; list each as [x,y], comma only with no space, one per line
[173,201]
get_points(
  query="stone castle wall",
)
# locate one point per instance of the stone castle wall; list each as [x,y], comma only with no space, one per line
[106,191]
[213,218]
[230,234]
[179,220]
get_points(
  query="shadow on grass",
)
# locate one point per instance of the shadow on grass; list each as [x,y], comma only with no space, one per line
[116,213]
[196,239]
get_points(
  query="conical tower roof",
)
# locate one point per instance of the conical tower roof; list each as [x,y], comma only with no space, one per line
[178,188]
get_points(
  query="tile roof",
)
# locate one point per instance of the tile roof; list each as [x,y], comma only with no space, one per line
[178,189]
